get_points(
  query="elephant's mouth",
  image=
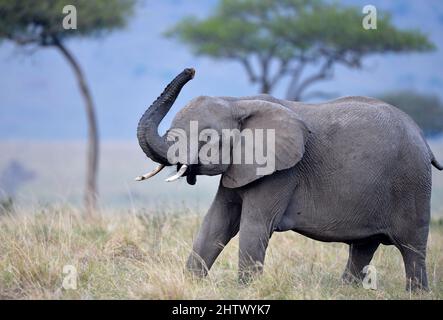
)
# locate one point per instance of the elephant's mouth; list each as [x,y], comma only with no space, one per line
[184,170]
[191,175]
[188,171]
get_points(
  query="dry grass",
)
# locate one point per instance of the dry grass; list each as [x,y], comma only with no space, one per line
[141,256]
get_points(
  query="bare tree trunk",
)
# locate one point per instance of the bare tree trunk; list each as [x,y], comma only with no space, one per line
[265,87]
[91,191]
[297,87]
[292,91]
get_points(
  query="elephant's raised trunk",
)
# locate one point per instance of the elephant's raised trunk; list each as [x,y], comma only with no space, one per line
[152,144]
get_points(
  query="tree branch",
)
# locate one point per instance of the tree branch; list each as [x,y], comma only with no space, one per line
[283,69]
[322,74]
[296,73]
[22,41]
[264,81]
[249,70]
[41,39]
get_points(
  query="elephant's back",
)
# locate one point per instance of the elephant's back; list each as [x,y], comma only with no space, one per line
[354,123]
[361,143]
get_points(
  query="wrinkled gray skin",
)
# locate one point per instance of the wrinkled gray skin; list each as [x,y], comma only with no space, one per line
[353,170]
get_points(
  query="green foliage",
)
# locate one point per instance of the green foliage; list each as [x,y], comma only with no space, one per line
[238,28]
[292,33]
[289,27]
[339,29]
[41,21]
[426,110]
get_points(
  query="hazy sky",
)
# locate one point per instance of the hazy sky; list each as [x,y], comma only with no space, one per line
[128,69]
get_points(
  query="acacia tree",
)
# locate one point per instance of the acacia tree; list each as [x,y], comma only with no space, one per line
[40,24]
[275,39]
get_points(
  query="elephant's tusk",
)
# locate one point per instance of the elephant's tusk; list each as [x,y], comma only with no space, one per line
[150,174]
[178,174]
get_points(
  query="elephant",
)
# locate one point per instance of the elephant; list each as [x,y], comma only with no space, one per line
[354,170]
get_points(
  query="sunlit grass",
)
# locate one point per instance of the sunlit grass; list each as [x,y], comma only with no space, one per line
[141,255]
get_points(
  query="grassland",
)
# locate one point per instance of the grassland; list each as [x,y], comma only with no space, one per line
[141,255]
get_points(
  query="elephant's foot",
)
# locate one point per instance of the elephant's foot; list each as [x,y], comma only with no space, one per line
[246,278]
[196,266]
[415,266]
[248,274]
[360,255]
[417,285]
[350,278]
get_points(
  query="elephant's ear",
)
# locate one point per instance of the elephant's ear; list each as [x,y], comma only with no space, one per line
[291,134]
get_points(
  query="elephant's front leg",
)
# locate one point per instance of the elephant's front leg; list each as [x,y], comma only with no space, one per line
[263,206]
[254,239]
[220,224]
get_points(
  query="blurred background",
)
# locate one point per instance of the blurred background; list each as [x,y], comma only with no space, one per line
[70,99]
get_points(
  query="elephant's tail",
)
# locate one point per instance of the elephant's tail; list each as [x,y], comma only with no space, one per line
[434,161]
[436,164]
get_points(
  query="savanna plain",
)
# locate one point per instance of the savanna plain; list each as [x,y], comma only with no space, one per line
[141,255]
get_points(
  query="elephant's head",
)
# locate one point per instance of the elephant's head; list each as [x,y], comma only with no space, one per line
[206,118]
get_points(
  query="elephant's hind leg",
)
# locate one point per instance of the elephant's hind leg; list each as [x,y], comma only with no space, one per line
[360,255]
[410,223]
[415,266]
[411,239]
